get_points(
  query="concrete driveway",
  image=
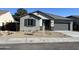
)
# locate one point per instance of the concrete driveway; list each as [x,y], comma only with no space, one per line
[70,33]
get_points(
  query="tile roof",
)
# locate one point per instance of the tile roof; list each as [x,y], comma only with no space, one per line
[58,17]
[76,16]
[32,15]
[52,16]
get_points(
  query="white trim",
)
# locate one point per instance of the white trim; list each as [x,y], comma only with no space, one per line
[71,26]
[39,15]
[40,22]
[52,23]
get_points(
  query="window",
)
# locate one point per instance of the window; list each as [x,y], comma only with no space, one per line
[29,22]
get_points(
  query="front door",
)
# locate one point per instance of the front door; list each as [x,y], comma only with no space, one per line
[47,24]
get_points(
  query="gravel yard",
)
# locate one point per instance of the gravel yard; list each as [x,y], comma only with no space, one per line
[34,34]
[50,34]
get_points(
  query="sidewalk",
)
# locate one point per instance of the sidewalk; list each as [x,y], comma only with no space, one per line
[36,40]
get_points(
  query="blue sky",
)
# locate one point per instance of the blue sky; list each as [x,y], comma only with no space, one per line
[56,11]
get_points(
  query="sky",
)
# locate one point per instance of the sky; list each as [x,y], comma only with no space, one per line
[56,11]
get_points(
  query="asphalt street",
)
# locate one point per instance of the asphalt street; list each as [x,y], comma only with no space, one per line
[41,46]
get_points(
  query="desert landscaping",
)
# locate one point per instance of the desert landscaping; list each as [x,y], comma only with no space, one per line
[13,34]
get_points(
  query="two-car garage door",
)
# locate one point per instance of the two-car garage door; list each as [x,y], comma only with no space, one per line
[61,27]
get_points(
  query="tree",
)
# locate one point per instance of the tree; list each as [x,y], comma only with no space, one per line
[20,13]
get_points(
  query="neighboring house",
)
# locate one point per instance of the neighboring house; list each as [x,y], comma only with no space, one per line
[5,17]
[44,21]
[75,19]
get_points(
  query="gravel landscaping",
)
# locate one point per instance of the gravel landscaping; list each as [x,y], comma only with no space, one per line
[34,34]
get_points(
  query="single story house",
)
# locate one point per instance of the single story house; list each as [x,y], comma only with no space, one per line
[39,20]
[75,19]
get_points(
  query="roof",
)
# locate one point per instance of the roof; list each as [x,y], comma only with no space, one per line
[32,15]
[43,14]
[3,12]
[58,17]
[52,16]
[76,16]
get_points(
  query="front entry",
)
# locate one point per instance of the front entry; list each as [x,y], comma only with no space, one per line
[47,24]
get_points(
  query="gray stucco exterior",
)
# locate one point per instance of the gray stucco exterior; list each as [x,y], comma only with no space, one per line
[25,28]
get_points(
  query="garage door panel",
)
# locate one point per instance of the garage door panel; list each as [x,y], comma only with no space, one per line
[61,27]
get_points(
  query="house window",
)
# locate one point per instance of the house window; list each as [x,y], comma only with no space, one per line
[29,22]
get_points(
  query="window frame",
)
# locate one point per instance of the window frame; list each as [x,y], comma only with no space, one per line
[29,22]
